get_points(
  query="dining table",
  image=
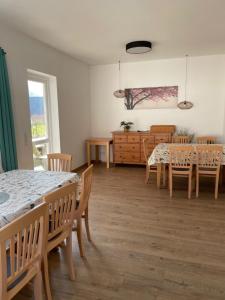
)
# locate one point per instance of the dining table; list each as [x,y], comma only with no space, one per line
[161,155]
[22,190]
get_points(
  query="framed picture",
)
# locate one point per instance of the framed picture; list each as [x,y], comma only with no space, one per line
[152,97]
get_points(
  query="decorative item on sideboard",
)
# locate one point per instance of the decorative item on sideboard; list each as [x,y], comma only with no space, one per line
[126,125]
[184,132]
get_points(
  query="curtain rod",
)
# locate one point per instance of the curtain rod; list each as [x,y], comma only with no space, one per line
[2,50]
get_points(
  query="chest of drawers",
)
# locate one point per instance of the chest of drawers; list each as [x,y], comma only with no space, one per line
[128,146]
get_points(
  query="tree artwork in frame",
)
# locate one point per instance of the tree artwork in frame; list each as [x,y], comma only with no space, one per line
[150,98]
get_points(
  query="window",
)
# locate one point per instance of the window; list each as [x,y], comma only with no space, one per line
[40,103]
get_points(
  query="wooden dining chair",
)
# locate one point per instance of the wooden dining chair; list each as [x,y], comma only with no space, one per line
[181,165]
[82,210]
[151,168]
[206,140]
[209,158]
[61,207]
[21,250]
[59,162]
[181,139]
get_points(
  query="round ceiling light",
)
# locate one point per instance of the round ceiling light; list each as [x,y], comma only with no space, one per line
[138,47]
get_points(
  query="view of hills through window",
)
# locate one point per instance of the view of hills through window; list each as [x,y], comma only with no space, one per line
[39,128]
[37,109]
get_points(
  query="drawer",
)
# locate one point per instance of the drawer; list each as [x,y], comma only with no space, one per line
[150,148]
[132,157]
[127,147]
[151,140]
[133,138]
[127,157]
[120,138]
[162,139]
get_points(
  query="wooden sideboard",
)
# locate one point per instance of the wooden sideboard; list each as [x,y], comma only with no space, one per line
[128,146]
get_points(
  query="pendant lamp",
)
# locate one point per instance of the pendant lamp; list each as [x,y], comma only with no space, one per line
[185,104]
[119,93]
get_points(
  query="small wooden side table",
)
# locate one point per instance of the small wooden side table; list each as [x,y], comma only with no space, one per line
[99,142]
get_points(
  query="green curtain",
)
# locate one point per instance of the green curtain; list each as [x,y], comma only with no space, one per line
[7,131]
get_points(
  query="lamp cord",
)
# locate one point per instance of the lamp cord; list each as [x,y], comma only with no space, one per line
[186,73]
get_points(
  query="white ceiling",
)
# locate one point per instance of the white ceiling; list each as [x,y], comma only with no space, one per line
[96,31]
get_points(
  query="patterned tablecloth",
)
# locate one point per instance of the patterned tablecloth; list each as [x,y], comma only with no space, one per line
[161,154]
[25,188]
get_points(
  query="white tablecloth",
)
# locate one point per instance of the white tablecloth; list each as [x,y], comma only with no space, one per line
[161,154]
[25,189]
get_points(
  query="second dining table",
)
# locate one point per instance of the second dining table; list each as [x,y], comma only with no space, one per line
[161,155]
[21,190]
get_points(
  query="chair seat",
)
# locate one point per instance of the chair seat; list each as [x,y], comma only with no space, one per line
[56,240]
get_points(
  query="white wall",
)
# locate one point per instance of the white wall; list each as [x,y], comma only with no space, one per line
[72,76]
[206,90]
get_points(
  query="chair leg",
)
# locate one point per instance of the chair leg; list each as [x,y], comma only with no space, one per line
[189,185]
[79,237]
[217,185]
[197,184]
[171,182]
[86,219]
[221,177]
[69,257]
[38,287]
[164,175]
[147,174]
[46,277]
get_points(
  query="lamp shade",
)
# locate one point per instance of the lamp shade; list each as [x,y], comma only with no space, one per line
[119,94]
[185,105]
[138,47]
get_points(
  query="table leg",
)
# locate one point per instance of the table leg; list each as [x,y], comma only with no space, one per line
[107,155]
[97,153]
[88,153]
[159,167]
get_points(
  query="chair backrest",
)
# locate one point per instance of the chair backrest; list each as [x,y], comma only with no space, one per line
[59,162]
[181,139]
[146,148]
[206,140]
[21,247]
[61,207]
[181,156]
[86,183]
[209,156]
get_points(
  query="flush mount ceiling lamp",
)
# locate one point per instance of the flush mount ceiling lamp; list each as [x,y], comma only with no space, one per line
[185,104]
[138,47]
[119,93]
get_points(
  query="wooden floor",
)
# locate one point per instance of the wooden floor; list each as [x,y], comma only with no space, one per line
[146,245]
